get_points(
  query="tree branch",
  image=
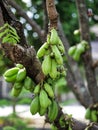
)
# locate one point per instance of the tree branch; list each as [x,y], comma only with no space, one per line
[74,80]
[45,19]
[52,14]
[33,24]
[87,58]
[95,64]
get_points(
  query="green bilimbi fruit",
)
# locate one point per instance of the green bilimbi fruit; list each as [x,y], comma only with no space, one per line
[88,113]
[48,39]
[80,48]
[11,78]
[42,111]
[49,90]
[53,127]
[19,66]
[57,55]
[84,43]
[54,37]
[72,50]
[63,73]
[76,55]
[53,72]
[15,92]
[28,83]
[37,89]
[11,72]
[46,64]
[77,32]
[21,75]
[49,102]
[43,49]
[35,105]
[32,88]
[53,111]
[44,100]
[61,46]
[18,85]
[94,115]
[62,121]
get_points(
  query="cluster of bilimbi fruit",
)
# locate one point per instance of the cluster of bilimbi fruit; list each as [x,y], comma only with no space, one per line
[44,95]
[92,113]
[76,50]
[17,76]
[51,52]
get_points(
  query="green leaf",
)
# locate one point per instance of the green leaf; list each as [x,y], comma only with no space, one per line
[13,31]
[14,37]
[9,34]
[5,39]
[4,33]
[5,25]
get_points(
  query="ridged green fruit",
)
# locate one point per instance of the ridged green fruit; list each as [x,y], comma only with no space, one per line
[42,111]
[43,49]
[62,121]
[44,100]
[18,85]
[54,37]
[48,39]
[37,89]
[21,75]
[35,105]
[84,43]
[61,46]
[19,66]
[76,32]
[49,90]
[80,48]
[31,89]
[53,72]
[49,102]
[72,50]
[76,55]
[15,92]
[53,111]
[64,73]
[28,83]
[10,78]
[11,72]
[88,113]
[94,115]
[46,64]
[53,127]
[57,55]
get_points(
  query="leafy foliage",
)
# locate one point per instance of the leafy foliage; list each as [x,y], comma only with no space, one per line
[8,34]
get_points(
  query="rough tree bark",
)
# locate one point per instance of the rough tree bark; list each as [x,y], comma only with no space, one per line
[87,58]
[27,56]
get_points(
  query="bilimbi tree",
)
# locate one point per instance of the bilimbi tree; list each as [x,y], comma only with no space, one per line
[37,71]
